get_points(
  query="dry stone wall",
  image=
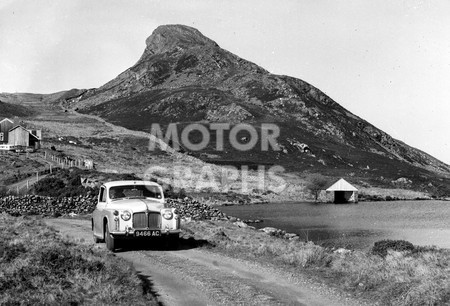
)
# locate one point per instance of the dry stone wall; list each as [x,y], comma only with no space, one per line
[50,206]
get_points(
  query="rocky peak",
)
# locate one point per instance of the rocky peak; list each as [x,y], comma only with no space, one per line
[169,37]
[184,76]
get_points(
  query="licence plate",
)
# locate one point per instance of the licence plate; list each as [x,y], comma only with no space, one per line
[147,233]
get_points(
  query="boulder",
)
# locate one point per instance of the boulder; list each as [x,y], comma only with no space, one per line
[240,224]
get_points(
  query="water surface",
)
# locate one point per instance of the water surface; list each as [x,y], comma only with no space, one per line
[355,225]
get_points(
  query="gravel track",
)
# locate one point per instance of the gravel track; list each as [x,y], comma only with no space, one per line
[197,276]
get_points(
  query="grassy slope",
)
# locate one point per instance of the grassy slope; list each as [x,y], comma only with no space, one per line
[8,111]
[331,158]
[115,149]
[38,267]
[14,167]
[420,277]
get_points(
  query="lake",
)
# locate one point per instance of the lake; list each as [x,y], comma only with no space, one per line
[355,226]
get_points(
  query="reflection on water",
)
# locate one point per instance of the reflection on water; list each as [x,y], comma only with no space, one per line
[355,225]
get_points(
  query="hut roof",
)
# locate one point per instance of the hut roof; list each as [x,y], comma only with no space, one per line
[6,119]
[29,132]
[342,185]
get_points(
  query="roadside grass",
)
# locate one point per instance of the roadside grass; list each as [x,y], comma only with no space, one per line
[401,278]
[417,277]
[255,244]
[38,267]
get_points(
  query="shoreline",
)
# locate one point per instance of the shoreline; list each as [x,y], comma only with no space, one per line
[323,203]
[351,225]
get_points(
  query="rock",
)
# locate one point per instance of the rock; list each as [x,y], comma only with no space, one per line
[290,235]
[342,251]
[232,219]
[240,224]
[271,231]
[252,221]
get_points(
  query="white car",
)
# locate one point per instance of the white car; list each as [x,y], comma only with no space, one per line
[133,210]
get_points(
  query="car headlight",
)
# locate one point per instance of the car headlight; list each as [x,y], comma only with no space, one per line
[126,215]
[167,214]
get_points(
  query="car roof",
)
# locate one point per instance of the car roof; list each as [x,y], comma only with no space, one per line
[130,182]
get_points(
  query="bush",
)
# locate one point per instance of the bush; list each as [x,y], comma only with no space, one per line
[49,186]
[315,184]
[3,191]
[381,247]
[56,187]
[75,181]
[175,194]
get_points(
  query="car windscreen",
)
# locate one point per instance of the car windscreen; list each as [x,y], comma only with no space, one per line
[135,191]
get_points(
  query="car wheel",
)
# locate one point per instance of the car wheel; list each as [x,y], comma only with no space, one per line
[111,244]
[96,239]
[172,242]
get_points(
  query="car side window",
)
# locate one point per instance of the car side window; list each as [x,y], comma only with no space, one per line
[102,194]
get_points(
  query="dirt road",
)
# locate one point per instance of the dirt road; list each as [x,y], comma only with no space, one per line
[196,276]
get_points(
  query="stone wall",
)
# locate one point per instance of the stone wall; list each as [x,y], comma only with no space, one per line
[48,206]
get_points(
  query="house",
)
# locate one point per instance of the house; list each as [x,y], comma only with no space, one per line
[20,136]
[16,136]
[343,192]
[5,125]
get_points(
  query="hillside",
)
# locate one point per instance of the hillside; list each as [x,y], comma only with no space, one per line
[10,110]
[185,77]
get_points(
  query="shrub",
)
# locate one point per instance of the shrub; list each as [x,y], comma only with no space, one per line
[316,183]
[381,247]
[64,183]
[75,181]
[9,251]
[49,186]
[175,194]
[3,191]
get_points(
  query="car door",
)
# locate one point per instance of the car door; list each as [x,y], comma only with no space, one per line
[99,212]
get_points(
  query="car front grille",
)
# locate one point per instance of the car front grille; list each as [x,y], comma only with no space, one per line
[144,220]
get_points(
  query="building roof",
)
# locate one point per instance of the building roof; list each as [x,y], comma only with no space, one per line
[18,126]
[6,119]
[342,185]
[29,132]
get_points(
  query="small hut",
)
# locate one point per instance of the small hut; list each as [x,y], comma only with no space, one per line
[20,136]
[344,192]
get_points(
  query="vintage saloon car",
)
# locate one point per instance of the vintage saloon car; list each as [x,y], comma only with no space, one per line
[133,210]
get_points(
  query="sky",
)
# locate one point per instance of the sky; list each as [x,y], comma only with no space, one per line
[385,61]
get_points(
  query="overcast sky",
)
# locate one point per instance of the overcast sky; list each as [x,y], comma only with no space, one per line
[386,61]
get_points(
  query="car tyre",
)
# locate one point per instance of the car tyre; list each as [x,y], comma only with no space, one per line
[111,243]
[97,240]
[172,242]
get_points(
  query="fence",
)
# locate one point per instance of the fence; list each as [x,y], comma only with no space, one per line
[54,162]
[69,162]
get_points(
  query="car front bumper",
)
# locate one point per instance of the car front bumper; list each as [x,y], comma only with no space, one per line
[146,234]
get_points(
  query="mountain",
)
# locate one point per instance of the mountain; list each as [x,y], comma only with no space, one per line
[184,77]
[9,110]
